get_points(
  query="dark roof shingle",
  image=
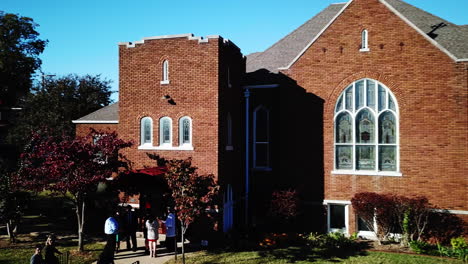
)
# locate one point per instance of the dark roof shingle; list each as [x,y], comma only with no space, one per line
[106,114]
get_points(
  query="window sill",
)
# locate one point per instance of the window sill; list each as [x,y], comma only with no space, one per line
[262,169]
[229,148]
[364,50]
[165,82]
[368,173]
[165,148]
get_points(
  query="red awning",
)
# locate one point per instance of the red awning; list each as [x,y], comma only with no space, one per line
[155,171]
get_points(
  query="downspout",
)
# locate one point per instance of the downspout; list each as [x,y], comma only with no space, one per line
[247,158]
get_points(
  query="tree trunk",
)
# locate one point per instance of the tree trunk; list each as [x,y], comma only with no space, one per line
[183,247]
[10,231]
[80,209]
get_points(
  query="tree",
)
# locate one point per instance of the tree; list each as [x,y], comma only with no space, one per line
[58,101]
[72,167]
[193,194]
[11,201]
[20,48]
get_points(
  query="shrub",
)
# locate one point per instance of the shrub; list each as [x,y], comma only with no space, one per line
[442,227]
[280,240]
[285,204]
[412,215]
[329,241]
[422,247]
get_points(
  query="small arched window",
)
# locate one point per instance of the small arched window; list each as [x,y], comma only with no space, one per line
[165,72]
[146,128]
[366,130]
[229,132]
[165,131]
[364,40]
[185,131]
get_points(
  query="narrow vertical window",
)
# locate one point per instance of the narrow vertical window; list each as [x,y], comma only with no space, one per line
[364,40]
[146,128]
[165,72]
[261,148]
[229,132]
[229,77]
[165,131]
[185,131]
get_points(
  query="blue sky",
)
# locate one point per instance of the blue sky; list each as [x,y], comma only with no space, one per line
[83,34]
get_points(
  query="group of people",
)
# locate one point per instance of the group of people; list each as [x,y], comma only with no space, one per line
[49,255]
[124,226]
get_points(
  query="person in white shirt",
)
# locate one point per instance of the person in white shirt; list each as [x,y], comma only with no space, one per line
[152,225]
[111,229]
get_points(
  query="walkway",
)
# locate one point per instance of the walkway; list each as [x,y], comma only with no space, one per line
[125,256]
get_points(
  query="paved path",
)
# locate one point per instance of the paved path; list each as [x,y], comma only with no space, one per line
[125,256]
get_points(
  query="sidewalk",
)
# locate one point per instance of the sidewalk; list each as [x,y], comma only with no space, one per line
[125,256]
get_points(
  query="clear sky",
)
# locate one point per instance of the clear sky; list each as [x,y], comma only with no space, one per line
[83,34]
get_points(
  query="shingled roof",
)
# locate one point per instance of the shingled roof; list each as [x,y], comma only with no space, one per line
[452,38]
[106,115]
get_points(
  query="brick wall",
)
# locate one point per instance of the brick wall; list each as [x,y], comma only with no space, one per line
[431,90]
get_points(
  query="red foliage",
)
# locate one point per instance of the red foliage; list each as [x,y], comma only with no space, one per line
[75,165]
[285,204]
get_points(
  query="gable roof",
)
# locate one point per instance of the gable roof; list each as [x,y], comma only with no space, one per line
[451,39]
[106,115]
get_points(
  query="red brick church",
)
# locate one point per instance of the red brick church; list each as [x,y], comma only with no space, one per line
[368,95]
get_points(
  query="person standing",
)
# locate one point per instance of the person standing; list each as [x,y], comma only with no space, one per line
[152,225]
[131,224]
[50,250]
[170,230]
[37,257]
[111,228]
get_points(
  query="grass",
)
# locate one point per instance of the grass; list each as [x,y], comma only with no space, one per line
[302,256]
[15,255]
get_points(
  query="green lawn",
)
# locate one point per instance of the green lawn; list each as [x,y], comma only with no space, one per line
[303,256]
[16,255]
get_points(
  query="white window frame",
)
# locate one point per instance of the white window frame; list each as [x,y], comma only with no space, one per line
[366,234]
[161,133]
[182,145]
[142,133]
[364,41]
[346,204]
[229,78]
[165,72]
[255,142]
[229,146]
[376,115]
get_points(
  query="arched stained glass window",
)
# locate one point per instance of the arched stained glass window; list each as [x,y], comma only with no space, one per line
[364,40]
[366,129]
[165,131]
[165,72]
[146,128]
[185,131]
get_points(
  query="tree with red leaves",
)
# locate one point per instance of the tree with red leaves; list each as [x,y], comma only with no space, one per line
[72,167]
[193,194]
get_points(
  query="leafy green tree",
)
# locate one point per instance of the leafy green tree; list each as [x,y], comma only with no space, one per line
[56,102]
[20,48]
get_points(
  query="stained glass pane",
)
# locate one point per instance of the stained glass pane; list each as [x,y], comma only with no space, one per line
[387,160]
[371,94]
[382,98]
[344,129]
[261,155]
[339,105]
[387,128]
[147,131]
[365,127]
[344,157]
[166,131]
[261,125]
[365,158]
[391,104]
[186,131]
[362,226]
[349,98]
[359,94]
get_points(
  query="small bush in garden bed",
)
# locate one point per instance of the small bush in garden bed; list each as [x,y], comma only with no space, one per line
[331,241]
[458,250]
[280,240]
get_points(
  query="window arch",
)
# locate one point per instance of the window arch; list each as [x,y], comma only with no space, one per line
[261,138]
[185,131]
[364,40]
[366,130]
[165,72]
[165,131]
[146,130]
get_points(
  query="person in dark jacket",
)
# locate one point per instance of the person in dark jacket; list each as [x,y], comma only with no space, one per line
[131,225]
[50,250]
